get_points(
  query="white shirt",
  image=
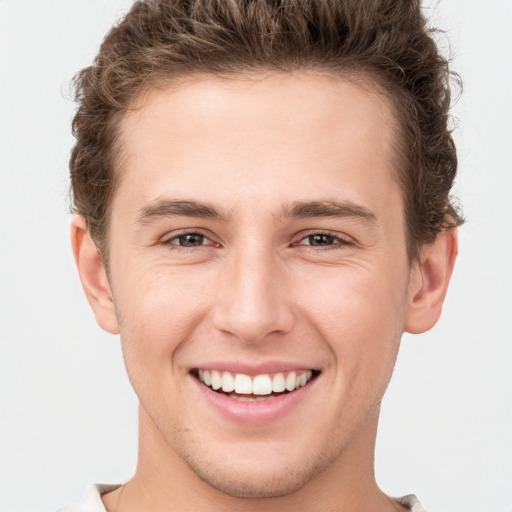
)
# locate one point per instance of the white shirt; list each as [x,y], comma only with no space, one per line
[91,501]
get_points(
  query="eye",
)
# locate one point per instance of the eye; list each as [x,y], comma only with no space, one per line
[323,240]
[319,240]
[188,240]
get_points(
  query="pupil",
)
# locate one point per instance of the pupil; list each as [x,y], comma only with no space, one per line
[321,240]
[191,240]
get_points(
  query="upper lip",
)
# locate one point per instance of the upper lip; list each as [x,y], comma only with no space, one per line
[252,368]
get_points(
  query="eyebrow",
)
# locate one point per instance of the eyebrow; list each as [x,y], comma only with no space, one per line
[184,208]
[298,210]
[312,209]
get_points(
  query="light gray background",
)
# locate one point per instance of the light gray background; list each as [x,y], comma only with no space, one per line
[67,413]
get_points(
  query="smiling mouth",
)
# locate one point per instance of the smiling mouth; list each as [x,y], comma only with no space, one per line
[256,388]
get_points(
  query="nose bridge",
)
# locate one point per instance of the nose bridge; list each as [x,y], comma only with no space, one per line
[253,304]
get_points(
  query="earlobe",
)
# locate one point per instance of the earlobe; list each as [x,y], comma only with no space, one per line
[93,276]
[429,281]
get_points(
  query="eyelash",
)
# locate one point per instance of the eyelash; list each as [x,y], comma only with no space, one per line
[338,241]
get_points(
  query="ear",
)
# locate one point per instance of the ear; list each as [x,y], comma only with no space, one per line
[93,276]
[428,284]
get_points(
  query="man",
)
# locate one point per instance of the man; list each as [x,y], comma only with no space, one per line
[262,199]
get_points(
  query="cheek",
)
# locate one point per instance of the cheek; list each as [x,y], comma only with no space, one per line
[360,314]
[159,314]
[158,310]
[361,321]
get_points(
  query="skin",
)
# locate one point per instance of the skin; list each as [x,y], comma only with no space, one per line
[260,287]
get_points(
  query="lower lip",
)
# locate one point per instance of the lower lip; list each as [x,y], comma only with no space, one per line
[256,412]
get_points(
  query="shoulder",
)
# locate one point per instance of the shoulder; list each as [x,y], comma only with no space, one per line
[91,502]
[411,502]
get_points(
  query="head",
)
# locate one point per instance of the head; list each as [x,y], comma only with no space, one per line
[268,183]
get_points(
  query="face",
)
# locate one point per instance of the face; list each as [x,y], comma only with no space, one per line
[257,243]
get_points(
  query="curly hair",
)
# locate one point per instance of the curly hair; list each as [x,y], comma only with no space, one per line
[385,42]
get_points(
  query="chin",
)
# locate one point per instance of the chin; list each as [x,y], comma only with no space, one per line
[260,479]
[255,486]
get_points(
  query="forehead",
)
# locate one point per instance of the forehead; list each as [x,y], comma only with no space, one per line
[273,135]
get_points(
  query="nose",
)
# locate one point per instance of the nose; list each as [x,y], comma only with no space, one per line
[253,302]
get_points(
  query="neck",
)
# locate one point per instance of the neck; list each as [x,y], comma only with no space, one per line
[164,482]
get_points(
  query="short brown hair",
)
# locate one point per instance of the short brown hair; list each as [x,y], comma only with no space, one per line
[387,42]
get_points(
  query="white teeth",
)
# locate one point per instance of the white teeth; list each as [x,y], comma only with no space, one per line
[243,384]
[290,381]
[262,385]
[228,382]
[259,385]
[216,380]
[278,383]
